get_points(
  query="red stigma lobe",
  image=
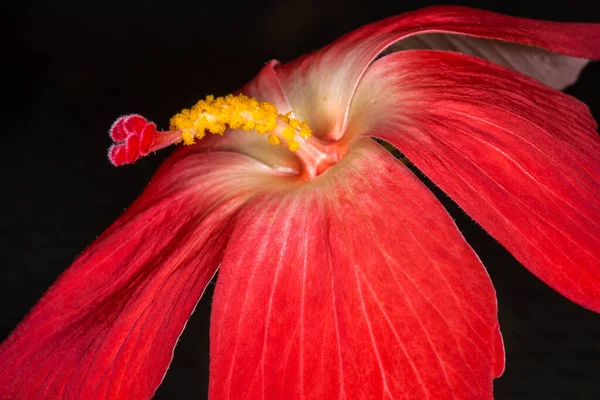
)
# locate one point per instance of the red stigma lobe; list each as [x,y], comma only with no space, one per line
[134,137]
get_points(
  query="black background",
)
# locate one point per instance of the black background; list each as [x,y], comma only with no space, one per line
[71,68]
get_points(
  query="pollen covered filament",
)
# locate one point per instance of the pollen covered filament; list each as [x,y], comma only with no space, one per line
[215,115]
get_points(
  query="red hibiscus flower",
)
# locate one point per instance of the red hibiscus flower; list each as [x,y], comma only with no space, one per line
[341,275]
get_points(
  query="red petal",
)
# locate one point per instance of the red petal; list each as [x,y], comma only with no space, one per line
[520,158]
[552,69]
[266,85]
[357,285]
[107,328]
[319,87]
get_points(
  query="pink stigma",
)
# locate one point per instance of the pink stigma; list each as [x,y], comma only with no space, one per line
[135,137]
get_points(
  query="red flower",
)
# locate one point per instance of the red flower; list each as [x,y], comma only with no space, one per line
[341,275]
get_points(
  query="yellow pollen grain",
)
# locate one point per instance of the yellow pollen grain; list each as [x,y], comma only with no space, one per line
[286,117]
[293,145]
[288,133]
[274,140]
[305,131]
[188,137]
[216,114]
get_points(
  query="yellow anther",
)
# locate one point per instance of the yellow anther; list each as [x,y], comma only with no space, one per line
[215,115]
[294,123]
[305,131]
[274,140]
[286,117]
[187,136]
[293,145]
[288,133]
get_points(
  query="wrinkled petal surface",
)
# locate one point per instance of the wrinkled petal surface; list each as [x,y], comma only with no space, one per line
[356,285]
[319,86]
[107,328]
[522,159]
